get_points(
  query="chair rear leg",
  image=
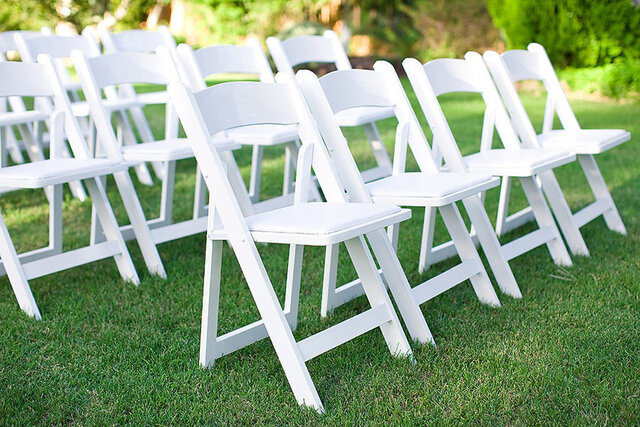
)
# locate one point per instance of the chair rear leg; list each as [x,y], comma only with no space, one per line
[210,302]
[168,184]
[256,172]
[379,151]
[491,247]
[600,191]
[294,276]
[15,273]
[329,279]
[111,230]
[376,293]
[426,244]
[543,216]
[467,251]
[503,205]
[563,214]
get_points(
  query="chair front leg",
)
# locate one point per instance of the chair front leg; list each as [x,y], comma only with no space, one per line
[329,279]
[426,244]
[294,277]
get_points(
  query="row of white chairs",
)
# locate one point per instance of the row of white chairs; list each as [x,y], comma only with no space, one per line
[361,211]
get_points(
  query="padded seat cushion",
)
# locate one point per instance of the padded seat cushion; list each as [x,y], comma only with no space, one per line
[263,134]
[439,188]
[361,115]
[583,141]
[519,163]
[56,171]
[168,149]
[318,218]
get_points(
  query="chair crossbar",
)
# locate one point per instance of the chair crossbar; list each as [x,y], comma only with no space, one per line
[526,243]
[446,280]
[347,330]
[592,211]
[179,230]
[70,259]
[34,255]
[517,220]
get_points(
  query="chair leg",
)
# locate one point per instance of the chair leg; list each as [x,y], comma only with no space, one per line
[111,230]
[210,302]
[200,196]
[329,279]
[15,273]
[399,287]
[376,293]
[600,191]
[393,232]
[139,224]
[4,142]
[168,183]
[543,216]
[562,212]
[128,138]
[467,251]
[491,247]
[379,151]
[237,183]
[503,205]
[256,173]
[55,219]
[426,244]
[289,158]
[294,276]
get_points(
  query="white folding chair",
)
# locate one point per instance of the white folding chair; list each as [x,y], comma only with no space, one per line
[328,49]
[11,145]
[111,70]
[534,64]
[443,76]
[249,59]
[40,80]
[230,105]
[429,189]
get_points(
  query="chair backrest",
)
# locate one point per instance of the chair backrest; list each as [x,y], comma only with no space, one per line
[531,64]
[59,47]
[106,72]
[8,40]
[306,49]
[344,89]
[41,80]
[136,40]
[470,74]
[224,59]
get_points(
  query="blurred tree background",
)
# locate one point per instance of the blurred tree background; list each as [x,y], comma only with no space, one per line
[600,35]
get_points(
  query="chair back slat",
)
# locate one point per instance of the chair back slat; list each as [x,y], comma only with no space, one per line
[451,75]
[8,39]
[55,46]
[131,67]
[135,40]
[355,88]
[24,79]
[227,59]
[522,65]
[245,104]
[306,49]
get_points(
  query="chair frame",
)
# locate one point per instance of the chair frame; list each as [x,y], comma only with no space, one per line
[41,80]
[534,64]
[328,49]
[204,114]
[471,75]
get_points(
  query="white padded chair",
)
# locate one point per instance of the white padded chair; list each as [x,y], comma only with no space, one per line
[246,60]
[327,48]
[230,105]
[429,189]
[40,80]
[443,76]
[111,70]
[534,64]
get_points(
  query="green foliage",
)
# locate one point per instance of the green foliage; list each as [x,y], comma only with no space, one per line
[581,33]
[26,14]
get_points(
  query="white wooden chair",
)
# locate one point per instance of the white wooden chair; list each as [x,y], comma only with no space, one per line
[328,49]
[40,80]
[11,144]
[443,76]
[534,64]
[429,189]
[108,71]
[251,60]
[230,105]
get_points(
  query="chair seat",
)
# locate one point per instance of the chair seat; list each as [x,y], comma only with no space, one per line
[429,189]
[518,163]
[263,134]
[362,115]
[16,118]
[321,224]
[56,171]
[168,149]
[583,141]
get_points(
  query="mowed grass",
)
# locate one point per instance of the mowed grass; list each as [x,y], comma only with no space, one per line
[107,352]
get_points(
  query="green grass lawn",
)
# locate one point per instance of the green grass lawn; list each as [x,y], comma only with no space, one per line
[107,352]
